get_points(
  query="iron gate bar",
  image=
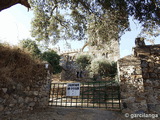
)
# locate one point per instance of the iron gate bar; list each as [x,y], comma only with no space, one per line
[99,94]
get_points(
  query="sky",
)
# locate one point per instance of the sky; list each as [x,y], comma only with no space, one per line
[15,25]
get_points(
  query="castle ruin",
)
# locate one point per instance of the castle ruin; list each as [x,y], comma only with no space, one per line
[72,71]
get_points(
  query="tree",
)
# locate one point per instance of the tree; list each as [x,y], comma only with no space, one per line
[53,58]
[102,19]
[4,4]
[49,55]
[103,68]
[83,61]
[31,46]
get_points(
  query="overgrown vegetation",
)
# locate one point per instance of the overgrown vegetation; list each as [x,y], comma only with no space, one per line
[53,58]
[84,61]
[49,55]
[31,47]
[103,68]
[97,67]
[18,66]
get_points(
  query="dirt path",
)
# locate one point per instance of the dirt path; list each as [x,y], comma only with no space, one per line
[66,114]
[70,114]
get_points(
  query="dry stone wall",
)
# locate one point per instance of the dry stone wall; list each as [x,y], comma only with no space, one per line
[17,98]
[140,80]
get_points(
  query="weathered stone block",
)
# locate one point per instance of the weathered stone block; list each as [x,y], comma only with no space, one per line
[138,100]
[27,99]
[157,70]
[1,108]
[20,100]
[144,64]
[151,107]
[150,70]
[32,104]
[35,93]
[157,109]
[1,100]
[138,71]
[145,75]
[4,90]
[151,64]
[153,75]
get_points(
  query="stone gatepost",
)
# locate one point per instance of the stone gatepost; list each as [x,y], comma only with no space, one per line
[132,85]
[140,80]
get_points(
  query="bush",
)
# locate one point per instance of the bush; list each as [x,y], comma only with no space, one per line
[31,46]
[103,68]
[53,58]
[84,61]
[50,56]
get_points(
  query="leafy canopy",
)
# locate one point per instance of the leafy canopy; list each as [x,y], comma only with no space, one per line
[84,61]
[53,58]
[103,68]
[98,20]
[50,55]
[30,46]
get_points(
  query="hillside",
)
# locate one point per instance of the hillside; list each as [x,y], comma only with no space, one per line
[18,66]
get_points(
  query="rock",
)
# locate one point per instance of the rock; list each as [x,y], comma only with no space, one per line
[26,100]
[20,100]
[157,108]
[11,105]
[32,104]
[1,100]
[1,108]
[4,90]
[35,93]
[140,112]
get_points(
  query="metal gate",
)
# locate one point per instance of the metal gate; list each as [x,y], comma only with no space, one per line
[100,94]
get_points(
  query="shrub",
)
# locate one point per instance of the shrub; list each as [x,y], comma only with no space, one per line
[103,68]
[84,61]
[50,56]
[53,58]
[31,46]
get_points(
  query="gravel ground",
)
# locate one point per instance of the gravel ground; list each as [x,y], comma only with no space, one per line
[70,114]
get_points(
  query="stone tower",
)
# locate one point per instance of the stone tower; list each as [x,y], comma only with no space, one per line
[109,51]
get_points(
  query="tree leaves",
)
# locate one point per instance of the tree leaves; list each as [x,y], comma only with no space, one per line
[100,20]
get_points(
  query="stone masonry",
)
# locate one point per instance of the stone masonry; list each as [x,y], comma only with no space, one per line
[140,80]
[17,98]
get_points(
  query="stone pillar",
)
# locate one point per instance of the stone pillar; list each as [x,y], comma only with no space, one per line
[131,85]
[140,80]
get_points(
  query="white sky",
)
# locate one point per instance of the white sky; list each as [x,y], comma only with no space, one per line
[15,24]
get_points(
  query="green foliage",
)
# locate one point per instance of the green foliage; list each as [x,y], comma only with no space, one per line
[97,67]
[50,56]
[84,61]
[53,58]
[101,20]
[103,68]
[31,46]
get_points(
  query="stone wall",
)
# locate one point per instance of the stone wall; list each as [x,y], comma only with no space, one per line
[71,70]
[140,80]
[110,51]
[16,97]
